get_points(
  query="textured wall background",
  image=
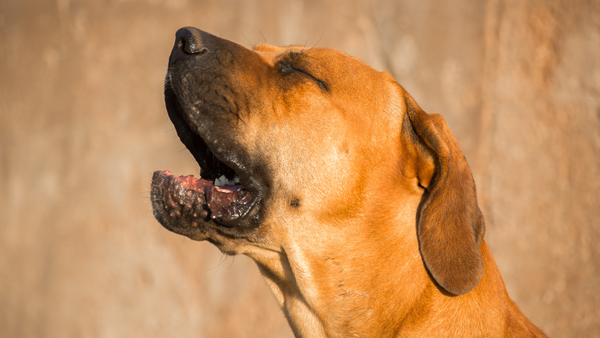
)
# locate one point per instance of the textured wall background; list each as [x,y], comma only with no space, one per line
[83,126]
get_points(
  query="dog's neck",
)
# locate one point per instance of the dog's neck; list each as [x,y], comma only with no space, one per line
[380,297]
[366,286]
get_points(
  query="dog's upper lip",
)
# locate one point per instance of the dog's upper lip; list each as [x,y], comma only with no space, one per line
[199,106]
[212,165]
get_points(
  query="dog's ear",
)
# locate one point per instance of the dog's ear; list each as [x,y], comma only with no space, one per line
[450,226]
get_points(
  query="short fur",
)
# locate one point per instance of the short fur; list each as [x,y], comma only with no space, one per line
[368,224]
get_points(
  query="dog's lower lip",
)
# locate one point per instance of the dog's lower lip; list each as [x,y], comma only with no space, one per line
[182,197]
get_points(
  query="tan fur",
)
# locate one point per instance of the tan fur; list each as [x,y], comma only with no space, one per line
[372,227]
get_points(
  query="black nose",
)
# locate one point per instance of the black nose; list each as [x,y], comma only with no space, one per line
[188,41]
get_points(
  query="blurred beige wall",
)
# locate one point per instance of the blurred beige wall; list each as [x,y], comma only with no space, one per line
[83,126]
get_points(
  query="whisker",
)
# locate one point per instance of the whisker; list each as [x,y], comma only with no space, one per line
[250,43]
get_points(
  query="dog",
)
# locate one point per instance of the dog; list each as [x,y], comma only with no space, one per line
[358,207]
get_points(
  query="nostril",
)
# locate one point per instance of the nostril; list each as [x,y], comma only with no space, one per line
[188,43]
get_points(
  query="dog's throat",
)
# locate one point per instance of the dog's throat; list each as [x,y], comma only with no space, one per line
[187,199]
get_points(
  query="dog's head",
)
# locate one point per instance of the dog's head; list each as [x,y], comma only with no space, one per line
[307,154]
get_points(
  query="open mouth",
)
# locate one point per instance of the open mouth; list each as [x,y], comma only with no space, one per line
[219,194]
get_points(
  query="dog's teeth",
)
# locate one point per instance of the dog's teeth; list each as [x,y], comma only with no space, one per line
[236,179]
[221,181]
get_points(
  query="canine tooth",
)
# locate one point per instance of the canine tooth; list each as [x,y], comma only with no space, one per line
[236,179]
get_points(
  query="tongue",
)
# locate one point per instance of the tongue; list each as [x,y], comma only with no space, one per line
[189,200]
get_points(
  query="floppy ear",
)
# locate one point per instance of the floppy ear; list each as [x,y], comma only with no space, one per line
[450,226]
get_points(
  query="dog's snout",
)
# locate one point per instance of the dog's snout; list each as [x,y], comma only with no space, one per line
[188,41]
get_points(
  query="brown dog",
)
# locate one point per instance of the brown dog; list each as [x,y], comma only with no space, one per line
[358,207]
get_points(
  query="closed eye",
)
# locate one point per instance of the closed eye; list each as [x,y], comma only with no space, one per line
[287,68]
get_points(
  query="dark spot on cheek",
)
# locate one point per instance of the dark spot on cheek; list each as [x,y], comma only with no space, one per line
[344,149]
[295,203]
